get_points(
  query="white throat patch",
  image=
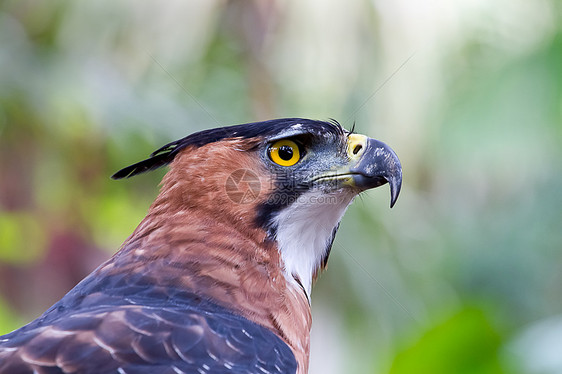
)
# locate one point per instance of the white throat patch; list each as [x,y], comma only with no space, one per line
[304,232]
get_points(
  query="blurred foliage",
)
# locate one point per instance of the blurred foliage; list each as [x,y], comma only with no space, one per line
[475,349]
[460,277]
[21,238]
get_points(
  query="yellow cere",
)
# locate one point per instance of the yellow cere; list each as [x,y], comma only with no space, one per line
[356,145]
[284,152]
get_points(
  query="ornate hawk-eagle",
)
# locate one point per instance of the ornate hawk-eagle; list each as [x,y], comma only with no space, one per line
[217,276]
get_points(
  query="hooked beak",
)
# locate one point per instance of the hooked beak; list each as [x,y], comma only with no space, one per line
[373,164]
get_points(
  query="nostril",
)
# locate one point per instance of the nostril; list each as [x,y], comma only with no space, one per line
[357,149]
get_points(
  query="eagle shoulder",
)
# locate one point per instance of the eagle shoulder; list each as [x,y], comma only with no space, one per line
[144,333]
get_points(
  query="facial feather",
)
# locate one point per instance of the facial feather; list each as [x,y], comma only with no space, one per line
[304,233]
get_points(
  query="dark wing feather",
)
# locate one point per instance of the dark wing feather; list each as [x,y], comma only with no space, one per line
[142,338]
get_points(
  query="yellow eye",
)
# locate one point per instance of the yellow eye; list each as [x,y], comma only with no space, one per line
[284,152]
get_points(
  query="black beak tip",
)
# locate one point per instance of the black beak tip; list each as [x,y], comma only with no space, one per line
[395,186]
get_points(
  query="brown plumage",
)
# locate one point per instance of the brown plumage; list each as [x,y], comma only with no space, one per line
[206,242]
[204,282]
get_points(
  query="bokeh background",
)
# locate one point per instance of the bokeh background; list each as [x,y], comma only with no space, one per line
[464,275]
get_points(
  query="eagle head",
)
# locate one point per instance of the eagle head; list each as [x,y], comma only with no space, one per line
[286,181]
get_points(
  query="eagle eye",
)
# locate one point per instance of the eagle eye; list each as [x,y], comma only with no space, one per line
[284,152]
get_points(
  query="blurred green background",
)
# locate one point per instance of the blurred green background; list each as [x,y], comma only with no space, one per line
[462,276]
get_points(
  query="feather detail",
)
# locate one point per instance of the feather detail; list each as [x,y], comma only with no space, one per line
[196,238]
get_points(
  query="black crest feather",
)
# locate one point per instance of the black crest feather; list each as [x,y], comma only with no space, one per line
[168,152]
[158,158]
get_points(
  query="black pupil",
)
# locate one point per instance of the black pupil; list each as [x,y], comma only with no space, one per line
[285,152]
